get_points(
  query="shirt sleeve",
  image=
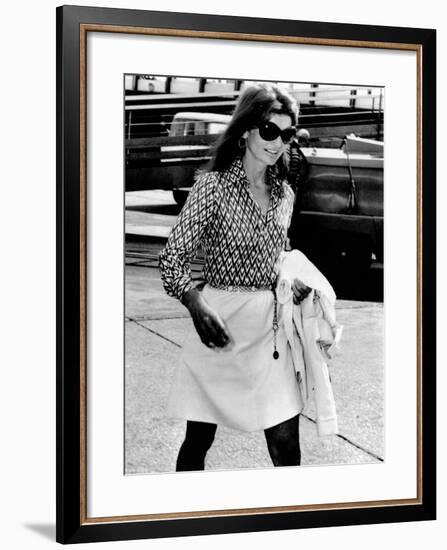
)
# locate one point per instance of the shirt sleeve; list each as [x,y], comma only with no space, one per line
[189,229]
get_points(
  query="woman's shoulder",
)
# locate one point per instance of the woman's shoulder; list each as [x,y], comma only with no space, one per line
[205,185]
[205,177]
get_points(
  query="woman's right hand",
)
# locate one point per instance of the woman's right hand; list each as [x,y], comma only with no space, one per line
[211,329]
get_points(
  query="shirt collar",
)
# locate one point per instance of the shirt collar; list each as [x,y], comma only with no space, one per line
[238,175]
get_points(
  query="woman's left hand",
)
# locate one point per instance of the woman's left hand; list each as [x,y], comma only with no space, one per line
[300,291]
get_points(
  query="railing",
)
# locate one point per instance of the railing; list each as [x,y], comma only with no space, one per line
[367,123]
[151,115]
[312,94]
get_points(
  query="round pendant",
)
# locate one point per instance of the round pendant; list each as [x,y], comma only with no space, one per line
[275,354]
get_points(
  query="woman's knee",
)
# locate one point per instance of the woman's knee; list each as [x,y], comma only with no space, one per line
[283,443]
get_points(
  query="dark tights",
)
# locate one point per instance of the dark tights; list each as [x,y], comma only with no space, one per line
[282,442]
[198,439]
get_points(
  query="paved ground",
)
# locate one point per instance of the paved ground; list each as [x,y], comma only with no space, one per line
[156,326]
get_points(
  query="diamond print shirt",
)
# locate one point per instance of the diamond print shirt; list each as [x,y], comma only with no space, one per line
[241,244]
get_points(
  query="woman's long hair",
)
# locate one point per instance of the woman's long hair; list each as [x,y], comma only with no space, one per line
[255,106]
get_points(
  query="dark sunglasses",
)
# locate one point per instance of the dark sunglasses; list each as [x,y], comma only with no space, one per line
[270,131]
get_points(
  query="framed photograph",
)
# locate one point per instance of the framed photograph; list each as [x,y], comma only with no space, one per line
[197,157]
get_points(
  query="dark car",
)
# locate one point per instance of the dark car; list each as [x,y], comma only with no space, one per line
[339,204]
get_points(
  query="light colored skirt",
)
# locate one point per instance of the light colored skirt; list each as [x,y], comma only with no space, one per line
[241,387]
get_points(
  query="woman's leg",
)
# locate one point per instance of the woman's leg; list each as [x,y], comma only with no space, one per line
[283,442]
[198,439]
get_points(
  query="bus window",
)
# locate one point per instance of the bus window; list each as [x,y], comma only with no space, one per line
[200,128]
[190,129]
[216,128]
[177,128]
[198,124]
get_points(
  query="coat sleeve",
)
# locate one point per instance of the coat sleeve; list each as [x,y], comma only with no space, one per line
[188,231]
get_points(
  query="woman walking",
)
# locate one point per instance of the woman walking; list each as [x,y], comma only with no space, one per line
[235,369]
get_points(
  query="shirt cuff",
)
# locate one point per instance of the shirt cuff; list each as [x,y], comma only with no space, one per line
[184,288]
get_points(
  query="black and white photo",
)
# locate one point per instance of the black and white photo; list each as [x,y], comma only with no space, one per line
[224,178]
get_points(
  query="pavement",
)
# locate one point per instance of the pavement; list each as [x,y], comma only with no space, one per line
[156,327]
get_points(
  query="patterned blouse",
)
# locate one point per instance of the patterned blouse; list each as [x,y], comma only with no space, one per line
[241,244]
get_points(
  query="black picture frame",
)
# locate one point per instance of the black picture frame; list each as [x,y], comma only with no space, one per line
[73,23]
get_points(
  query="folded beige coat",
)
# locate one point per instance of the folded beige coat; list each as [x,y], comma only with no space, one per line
[312,334]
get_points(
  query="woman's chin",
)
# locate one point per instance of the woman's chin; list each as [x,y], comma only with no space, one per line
[270,161]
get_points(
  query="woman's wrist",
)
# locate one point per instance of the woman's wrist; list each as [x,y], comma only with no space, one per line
[190,297]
